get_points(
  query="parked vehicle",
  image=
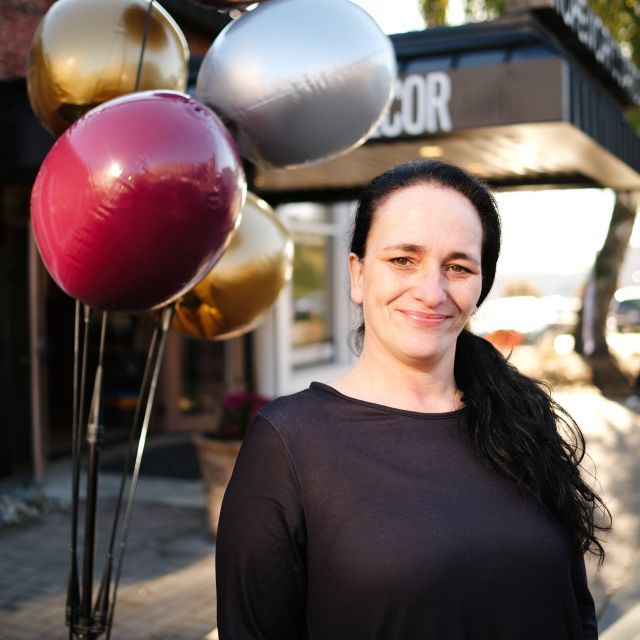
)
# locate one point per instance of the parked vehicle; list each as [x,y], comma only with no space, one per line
[625,310]
[526,319]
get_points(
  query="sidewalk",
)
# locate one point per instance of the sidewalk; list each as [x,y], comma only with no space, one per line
[612,433]
[167,588]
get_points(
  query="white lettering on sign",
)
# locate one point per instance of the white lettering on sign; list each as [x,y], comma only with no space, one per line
[580,18]
[421,106]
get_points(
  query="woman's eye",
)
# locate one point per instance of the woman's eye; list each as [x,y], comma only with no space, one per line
[457,268]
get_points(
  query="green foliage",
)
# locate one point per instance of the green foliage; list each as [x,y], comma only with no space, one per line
[622,18]
[633,116]
[484,9]
[434,11]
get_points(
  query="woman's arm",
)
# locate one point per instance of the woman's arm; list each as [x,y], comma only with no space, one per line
[584,599]
[261,544]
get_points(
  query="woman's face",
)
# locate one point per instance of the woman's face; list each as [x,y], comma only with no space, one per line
[420,278]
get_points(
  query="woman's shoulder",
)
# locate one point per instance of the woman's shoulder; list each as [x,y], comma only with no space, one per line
[297,408]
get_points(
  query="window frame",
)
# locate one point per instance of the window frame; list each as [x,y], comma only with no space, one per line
[275,371]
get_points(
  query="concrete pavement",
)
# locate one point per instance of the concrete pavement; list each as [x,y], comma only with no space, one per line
[167,589]
[612,432]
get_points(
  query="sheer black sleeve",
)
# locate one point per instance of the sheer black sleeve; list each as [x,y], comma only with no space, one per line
[584,599]
[260,545]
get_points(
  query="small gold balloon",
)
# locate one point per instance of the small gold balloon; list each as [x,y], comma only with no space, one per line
[85,52]
[234,296]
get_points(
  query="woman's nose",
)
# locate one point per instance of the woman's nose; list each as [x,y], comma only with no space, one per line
[430,288]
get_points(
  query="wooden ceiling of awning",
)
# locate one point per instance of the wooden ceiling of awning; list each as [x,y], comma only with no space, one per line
[543,153]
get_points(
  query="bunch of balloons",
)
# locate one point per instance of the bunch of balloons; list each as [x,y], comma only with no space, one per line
[142,201]
[143,190]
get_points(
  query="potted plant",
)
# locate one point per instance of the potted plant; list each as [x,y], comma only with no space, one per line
[217,450]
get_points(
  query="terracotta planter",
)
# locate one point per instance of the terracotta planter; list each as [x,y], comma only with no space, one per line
[217,458]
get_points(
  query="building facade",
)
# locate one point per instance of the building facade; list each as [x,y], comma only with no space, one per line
[535,99]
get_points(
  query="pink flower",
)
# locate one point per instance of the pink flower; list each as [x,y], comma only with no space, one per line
[239,408]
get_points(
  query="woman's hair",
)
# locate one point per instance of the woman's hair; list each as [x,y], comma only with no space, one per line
[514,424]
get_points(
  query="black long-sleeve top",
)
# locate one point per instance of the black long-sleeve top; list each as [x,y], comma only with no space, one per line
[348,520]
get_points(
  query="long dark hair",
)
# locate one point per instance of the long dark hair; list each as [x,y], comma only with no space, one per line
[513,423]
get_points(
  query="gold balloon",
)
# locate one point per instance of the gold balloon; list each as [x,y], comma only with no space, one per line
[86,52]
[234,296]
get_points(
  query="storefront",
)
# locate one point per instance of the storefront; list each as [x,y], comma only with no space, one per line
[534,99]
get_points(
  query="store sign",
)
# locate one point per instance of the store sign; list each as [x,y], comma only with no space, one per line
[421,106]
[437,102]
[580,18]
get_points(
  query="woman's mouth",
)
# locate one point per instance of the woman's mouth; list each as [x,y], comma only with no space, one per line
[426,318]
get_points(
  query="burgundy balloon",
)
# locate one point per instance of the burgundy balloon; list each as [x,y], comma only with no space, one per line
[136,201]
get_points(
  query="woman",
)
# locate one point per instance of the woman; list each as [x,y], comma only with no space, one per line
[428,493]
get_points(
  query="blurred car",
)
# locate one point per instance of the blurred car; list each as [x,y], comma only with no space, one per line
[624,315]
[526,320]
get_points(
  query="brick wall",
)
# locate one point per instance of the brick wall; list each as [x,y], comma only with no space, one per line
[18,22]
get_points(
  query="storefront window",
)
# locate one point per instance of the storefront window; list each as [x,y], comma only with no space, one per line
[312,322]
[312,314]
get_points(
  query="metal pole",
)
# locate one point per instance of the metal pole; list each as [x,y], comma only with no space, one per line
[94,439]
[37,445]
[165,323]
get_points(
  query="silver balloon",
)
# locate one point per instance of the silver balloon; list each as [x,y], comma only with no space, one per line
[301,81]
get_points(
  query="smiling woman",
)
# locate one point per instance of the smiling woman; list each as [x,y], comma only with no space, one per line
[431,492]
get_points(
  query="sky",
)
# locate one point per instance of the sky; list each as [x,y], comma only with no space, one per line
[540,228]
[398,16]
[394,16]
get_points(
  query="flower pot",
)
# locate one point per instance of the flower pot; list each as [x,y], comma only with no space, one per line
[216,458]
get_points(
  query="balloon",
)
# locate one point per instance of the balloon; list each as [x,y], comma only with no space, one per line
[86,52]
[234,296]
[137,200]
[301,81]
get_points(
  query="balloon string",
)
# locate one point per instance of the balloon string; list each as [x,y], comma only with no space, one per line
[73,589]
[94,439]
[102,602]
[73,594]
[145,36]
[165,323]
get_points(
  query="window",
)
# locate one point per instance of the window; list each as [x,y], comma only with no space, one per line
[307,337]
[312,338]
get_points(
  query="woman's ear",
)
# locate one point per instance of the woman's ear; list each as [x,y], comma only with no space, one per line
[355,271]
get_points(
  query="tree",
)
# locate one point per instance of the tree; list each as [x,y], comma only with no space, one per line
[590,335]
[622,18]
[434,11]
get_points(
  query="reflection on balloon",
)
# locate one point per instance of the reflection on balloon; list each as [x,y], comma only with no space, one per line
[86,52]
[137,200]
[301,81]
[234,296]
